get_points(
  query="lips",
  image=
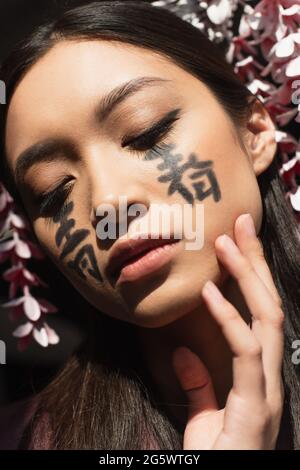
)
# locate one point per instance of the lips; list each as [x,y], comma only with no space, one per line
[129,250]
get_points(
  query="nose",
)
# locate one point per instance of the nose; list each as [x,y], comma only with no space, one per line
[119,204]
[115,188]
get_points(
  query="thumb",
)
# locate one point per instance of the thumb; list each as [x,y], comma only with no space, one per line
[195,380]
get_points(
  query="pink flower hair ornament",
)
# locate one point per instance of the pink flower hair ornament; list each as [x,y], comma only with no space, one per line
[265,54]
[16,249]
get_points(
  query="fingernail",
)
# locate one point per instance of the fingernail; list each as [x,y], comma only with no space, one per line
[248,225]
[228,244]
[212,291]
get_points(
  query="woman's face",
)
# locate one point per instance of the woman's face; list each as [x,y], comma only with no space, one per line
[96,157]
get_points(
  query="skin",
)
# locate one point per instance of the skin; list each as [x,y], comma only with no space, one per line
[185,329]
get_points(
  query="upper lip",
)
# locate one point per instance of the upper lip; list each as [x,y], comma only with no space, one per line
[129,248]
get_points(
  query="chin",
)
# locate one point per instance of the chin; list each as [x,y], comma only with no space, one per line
[165,306]
[178,294]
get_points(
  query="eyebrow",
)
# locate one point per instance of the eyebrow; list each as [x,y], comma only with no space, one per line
[109,102]
[52,149]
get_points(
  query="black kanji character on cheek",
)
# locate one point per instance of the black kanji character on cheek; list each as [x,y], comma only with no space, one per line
[203,172]
[85,259]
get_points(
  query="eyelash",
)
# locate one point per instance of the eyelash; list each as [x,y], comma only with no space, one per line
[55,201]
[151,138]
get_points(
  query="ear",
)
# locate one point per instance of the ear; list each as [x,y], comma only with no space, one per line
[260,138]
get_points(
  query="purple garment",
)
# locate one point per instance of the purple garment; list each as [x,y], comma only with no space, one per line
[14,419]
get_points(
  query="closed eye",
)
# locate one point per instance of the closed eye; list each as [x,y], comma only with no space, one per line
[51,202]
[154,134]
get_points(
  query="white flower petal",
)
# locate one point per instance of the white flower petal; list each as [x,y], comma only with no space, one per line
[295,200]
[257,85]
[22,249]
[285,47]
[28,275]
[296,36]
[255,20]
[53,338]
[13,302]
[293,68]
[291,11]
[23,330]
[219,11]
[290,164]
[41,336]
[6,246]
[244,27]
[31,308]
[17,221]
[284,137]
[230,53]
[280,31]
[244,62]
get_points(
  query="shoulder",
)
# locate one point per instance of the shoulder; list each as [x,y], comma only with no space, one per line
[14,418]
[24,426]
[38,435]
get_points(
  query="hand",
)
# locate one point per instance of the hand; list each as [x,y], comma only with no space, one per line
[252,414]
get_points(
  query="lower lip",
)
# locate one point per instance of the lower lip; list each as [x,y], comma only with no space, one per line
[148,263]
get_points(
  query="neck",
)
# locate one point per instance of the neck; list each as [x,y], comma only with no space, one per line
[198,331]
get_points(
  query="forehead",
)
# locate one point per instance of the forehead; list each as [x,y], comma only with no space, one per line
[71,76]
[86,65]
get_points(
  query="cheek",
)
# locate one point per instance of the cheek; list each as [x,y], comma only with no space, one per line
[46,237]
[69,245]
[234,174]
[240,194]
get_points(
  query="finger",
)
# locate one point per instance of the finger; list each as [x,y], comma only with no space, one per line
[195,380]
[261,305]
[251,247]
[248,376]
[259,300]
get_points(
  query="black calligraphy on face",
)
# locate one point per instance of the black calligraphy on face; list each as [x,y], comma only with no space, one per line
[202,175]
[85,259]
